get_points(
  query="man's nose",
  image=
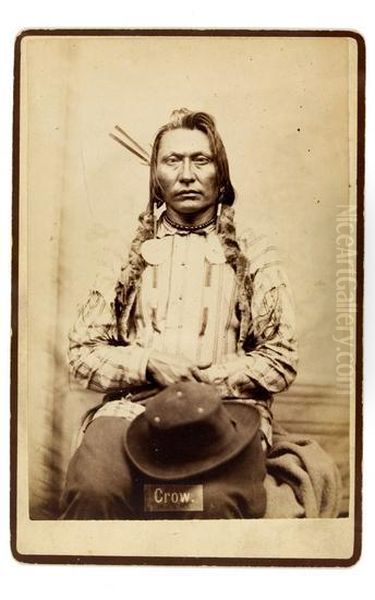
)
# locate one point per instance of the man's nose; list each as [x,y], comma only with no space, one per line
[186,173]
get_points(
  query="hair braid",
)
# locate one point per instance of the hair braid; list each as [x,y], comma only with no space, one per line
[131,272]
[240,265]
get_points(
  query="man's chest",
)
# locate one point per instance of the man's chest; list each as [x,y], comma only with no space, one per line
[188,297]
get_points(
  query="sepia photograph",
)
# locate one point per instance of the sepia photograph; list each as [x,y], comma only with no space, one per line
[187,297]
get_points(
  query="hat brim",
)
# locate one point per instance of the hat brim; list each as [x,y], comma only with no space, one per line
[139,449]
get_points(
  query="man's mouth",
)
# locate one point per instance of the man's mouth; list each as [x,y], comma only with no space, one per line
[188,193]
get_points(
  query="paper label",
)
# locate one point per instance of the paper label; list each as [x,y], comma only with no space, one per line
[168,497]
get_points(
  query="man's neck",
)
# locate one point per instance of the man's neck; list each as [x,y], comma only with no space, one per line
[191,219]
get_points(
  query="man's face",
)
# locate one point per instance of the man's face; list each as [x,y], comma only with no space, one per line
[187,174]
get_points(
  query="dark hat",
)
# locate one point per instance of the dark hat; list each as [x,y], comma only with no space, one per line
[187,429]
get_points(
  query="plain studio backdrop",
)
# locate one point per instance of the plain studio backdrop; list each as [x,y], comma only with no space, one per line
[282,106]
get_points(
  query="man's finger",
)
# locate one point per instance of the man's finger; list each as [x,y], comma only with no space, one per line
[199,375]
[237,379]
[187,377]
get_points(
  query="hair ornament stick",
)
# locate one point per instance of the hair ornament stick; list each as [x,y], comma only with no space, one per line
[132,147]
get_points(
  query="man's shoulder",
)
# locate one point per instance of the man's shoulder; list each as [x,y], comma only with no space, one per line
[111,260]
[250,239]
[259,249]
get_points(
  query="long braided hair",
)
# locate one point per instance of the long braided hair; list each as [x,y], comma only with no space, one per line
[130,280]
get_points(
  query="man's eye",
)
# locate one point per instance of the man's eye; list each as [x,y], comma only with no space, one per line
[202,160]
[172,160]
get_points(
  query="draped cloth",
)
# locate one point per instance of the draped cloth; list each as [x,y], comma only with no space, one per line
[302,479]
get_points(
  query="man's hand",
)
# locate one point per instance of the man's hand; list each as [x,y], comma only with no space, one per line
[231,372]
[239,379]
[166,368]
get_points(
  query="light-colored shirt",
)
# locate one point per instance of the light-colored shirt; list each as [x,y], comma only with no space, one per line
[187,300]
[188,306]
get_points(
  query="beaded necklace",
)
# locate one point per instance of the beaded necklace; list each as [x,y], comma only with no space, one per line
[190,228]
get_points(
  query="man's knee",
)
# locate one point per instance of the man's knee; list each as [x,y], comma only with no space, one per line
[99,469]
[223,501]
[218,502]
[99,480]
[99,490]
[89,497]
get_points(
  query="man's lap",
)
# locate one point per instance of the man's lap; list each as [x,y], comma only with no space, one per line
[101,469]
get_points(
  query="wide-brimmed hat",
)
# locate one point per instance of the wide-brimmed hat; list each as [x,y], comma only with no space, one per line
[187,430]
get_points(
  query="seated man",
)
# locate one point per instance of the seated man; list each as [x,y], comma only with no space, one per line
[191,303]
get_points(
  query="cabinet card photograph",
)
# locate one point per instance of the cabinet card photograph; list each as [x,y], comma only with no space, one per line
[187,297]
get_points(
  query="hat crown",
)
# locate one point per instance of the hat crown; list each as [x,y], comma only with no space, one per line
[182,404]
[186,420]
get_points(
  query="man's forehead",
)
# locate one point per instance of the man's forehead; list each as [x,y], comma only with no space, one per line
[184,141]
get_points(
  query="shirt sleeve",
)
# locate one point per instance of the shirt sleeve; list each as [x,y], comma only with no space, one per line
[98,360]
[272,360]
[269,360]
